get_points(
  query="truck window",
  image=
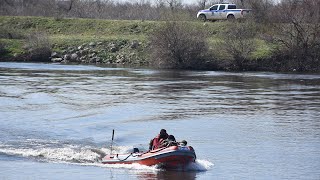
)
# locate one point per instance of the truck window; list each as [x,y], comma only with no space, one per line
[214,8]
[222,7]
[232,6]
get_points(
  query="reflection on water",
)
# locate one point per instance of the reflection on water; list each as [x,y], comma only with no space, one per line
[175,91]
[176,175]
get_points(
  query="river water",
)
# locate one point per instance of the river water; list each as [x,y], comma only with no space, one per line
[55,118]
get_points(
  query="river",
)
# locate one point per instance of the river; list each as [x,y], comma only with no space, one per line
[249,125]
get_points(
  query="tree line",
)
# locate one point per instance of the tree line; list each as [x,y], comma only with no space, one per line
[101,9]
[137,9]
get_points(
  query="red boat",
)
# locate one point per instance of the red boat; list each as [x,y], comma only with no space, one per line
[167,157]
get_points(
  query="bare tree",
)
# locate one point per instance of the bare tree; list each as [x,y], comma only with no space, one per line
[173,4]
[299,37]
[202,4]
[63,7]
[6,6]
[108,9]
[7,2]
[239,43]
[178,45]
[261,9]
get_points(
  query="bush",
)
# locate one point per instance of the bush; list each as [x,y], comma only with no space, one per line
[261,10]
[238,43]
[299,38]
[38,47]
[3,49]
[10,33]
[178,45]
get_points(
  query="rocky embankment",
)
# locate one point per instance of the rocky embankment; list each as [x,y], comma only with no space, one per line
[116,52]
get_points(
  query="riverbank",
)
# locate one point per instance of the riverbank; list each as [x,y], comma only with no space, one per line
[73,40]
[43,39]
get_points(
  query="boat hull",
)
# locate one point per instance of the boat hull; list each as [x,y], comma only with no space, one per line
[171,157]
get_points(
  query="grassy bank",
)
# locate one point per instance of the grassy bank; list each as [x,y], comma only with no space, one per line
[113,40]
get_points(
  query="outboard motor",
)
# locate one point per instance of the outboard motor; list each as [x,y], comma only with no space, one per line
[135,150]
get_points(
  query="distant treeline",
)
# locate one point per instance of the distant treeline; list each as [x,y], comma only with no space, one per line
[263,11]
[112,9]
[101,9]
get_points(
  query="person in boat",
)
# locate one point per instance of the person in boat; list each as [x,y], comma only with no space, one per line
[170,141]
[183,143]
[158,140]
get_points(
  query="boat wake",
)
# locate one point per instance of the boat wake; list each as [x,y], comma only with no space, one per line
[65,154]
[199,165]
[85,155]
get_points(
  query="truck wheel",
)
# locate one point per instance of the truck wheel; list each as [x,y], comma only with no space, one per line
[231,17]
[203,17]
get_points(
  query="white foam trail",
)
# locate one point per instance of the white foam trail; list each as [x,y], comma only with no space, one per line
[200,165]
[134,166]
[67,154]
[88,156]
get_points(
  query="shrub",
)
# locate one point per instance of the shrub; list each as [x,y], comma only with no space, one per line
[238,43]
[299,37]
[261,10]
[38,47]
[10,33]
[3,50]
[178,45]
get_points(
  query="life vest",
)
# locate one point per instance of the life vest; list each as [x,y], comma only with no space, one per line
[156,142]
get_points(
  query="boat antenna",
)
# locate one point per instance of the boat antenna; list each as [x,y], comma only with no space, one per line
[112,141]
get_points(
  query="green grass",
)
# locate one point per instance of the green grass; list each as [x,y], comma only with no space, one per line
[77,26]
[14,46]
[70,32]
[263,50]
[74,32]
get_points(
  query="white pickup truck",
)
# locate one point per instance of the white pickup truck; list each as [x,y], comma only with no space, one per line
[222,11]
